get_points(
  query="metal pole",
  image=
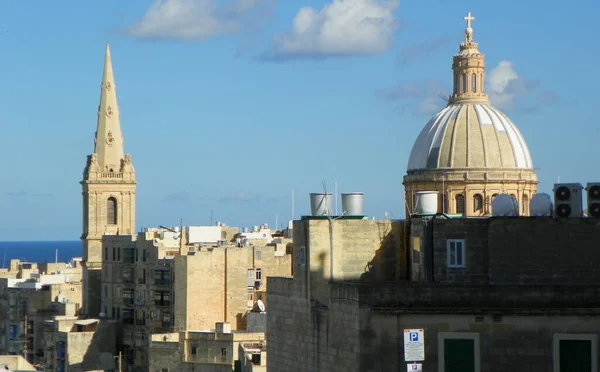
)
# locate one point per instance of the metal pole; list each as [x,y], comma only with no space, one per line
[120,363]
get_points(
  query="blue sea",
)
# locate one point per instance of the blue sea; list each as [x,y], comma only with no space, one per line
[41,251]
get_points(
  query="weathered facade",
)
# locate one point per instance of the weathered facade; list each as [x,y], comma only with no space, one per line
[156,283]
[520,295]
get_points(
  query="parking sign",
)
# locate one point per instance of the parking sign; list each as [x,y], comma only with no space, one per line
[414,345]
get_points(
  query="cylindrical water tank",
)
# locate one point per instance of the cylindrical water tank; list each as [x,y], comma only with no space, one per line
[352,203]
[541,205]
[175,228]
[505,205]
[320,204]
[426,202]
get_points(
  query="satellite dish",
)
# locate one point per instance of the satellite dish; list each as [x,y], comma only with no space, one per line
[261,306]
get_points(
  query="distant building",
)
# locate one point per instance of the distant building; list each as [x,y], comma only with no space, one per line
[216,350]
[78,345]
[30,294]
[159,282]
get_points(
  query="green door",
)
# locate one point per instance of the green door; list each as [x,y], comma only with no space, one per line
[575,355]
[459,355]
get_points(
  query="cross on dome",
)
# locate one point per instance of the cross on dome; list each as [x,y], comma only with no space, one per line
[469,30]
[469,18]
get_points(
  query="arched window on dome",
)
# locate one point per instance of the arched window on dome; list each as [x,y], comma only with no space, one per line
[481,89]
[456,83]
[474,82]
[460,203]
[111,211]
[464,83]
[525,203]
[477,203]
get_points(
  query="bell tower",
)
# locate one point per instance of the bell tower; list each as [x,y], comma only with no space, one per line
[108,190]
[468,67]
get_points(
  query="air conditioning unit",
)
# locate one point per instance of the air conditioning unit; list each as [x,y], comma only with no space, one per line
[568,200]
[593,199]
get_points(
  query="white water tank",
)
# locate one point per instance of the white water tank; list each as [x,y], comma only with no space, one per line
[352,203]
[541,205]
[426,202]
[320,204]
[505,205]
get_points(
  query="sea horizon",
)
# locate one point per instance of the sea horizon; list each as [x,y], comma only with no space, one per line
[40,251]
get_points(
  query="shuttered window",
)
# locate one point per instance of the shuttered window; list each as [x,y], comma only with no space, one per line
[111,211]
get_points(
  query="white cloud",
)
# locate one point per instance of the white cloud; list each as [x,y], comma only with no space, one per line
[343,27]
[505,86]
[197,19]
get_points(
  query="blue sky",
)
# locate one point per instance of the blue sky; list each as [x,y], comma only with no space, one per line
[227,106]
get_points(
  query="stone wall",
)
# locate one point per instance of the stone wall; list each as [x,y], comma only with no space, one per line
[306,337]
[520,342]
[512,250]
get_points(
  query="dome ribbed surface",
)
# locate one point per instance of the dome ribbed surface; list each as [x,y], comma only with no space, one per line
[470,135]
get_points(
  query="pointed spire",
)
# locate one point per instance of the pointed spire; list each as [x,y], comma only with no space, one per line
[468,66]
[109,140]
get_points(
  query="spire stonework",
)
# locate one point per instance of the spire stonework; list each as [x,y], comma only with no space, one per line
[109,187]
[468,66]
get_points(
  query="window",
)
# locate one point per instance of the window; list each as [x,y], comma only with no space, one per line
[258,255]
[460,204]
[458,352]
[128,316]
[456,253]
[162,298]
[258,274]
[105,253]
[474,83]
[128,273]
[464,83]
[162,277]
[494,196]
[111,211]
[477,203]
[575,352]
[250,294]
[114,253]
[128,255]
[128,297]
[166,319]
[223,353]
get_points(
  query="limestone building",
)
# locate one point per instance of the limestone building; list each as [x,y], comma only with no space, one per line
[159,281]
[470,151]
[109,187]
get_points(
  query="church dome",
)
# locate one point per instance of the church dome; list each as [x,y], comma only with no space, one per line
[469,135]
